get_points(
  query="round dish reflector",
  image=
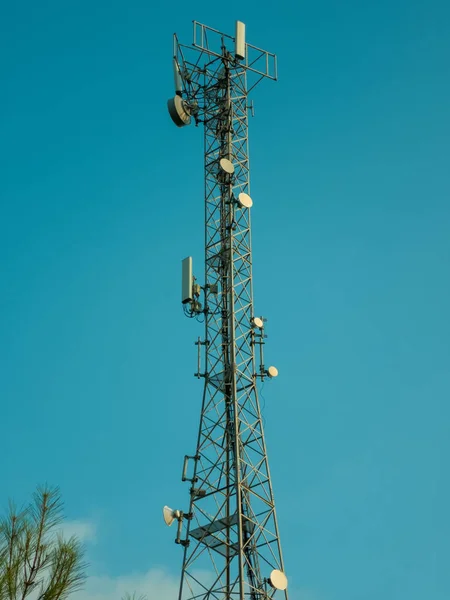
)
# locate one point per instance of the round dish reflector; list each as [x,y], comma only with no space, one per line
[278,580]
[258,322]
[272,372]
[244,200]
[227,166]
[178,111]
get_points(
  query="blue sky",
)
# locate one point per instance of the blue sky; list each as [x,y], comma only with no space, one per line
[100,199]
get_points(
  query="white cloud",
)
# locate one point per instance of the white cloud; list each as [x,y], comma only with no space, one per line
[156,584]
[85,531]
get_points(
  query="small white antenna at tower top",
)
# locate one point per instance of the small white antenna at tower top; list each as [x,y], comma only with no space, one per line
[240,40]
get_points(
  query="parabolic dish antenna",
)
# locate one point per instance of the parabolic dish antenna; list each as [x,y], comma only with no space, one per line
[272,372]
[278,580]
[179,111]
[258,322]
[227,166]
[169,515]
[244,200]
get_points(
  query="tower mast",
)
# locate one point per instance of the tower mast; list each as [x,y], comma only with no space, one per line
[229,534]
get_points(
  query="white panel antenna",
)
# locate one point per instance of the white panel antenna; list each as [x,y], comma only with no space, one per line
[187,281]
[177,78]
[240,40]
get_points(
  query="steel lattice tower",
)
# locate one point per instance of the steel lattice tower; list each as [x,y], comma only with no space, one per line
[230,533]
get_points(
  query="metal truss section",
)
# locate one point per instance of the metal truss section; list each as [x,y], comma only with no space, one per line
[231,542]
[257,61]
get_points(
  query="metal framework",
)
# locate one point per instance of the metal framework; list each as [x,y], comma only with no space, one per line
[230,533]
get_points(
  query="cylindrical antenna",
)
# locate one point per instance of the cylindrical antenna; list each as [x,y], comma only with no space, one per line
[177,78]
[240,40]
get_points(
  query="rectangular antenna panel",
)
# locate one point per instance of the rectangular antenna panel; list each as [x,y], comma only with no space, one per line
[186,280]
[177,78]
[240,40]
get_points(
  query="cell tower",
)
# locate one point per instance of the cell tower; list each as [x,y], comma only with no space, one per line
[229,534]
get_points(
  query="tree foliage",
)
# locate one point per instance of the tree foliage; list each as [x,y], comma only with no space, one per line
[134,596]
[35,559]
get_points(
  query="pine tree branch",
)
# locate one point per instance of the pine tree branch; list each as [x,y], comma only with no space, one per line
[31,557]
